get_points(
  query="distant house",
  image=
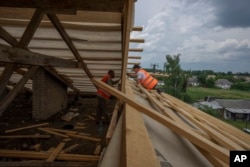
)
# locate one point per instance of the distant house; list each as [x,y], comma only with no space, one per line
[230,109]
[223,83]
[193,81]
[211,77]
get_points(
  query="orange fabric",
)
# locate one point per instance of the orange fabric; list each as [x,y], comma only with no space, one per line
[149,82]
[102,92]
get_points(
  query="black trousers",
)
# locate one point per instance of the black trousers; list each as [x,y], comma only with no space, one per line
[102,109]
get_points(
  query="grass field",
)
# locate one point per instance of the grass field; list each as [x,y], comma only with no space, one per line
[198,93]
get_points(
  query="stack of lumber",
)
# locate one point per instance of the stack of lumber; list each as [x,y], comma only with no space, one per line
[207,139]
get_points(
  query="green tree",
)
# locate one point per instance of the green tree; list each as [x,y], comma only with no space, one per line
[176,83]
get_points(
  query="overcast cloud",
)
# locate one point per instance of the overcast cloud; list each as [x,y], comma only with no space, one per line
[209,34]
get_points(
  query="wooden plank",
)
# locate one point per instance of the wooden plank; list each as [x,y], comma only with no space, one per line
[45,155]
[41,163]
[52,132]
[25,137]
[67,39]
[135,50]
[69,25]
[98,149]
[125,43]
[22,56]
[31,28]
[139,150]
[113,123]
[137,28]
[70,148]
[56,152]
[26,127]
[12,94]
[93,5]
[84,137]
[202,116]
[7,37]
[213,148]
[5,76]
[136,40]
[54,4]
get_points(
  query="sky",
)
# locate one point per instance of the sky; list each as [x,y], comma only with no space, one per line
[209,34]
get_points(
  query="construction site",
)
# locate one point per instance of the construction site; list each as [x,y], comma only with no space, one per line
[53,55]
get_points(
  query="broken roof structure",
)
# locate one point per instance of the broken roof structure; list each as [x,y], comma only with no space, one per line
[54,47]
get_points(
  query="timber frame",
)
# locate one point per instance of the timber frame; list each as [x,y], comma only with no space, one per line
[73,40]
[77,42]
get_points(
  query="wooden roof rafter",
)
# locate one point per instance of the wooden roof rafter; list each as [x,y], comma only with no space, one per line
[65,36]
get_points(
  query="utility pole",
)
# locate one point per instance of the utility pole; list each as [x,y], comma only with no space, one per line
[154,65]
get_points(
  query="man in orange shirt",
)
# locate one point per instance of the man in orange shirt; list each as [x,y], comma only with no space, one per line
[144,78]
[103,97]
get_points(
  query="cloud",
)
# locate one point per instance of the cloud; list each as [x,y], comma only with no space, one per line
[232,13]
[192,28]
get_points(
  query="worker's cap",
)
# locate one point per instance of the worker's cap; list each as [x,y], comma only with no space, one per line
[136,66]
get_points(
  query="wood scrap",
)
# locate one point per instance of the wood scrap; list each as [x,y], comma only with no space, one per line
[62,131]
[52,132]
[56,152]
[90,117]
[25,137]
[26,127]
[46,155]
[70,148]
[80,124]
[41,163]
[85,137]
[98,149]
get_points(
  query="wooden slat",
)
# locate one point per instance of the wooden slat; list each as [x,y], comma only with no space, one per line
[45,155]
[135,50]
[17,55]
[67,39]
[31,28]
[25,137]
[5,76]
[7,37]
[56,152]
[127,26]
[26,127]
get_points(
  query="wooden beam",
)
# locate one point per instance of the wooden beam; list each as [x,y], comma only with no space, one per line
[56,152]
[67,5]
[22,56]
[27,127]
[45,155]
[135,50]
[134,40]
[31,28]
[5,76]
[127,26]
[7,37]
[134,57]
[138,149]
[12,94]
[137,28]
[25,137]
[42,163]
[54,4]
[68,41]
[214,149]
